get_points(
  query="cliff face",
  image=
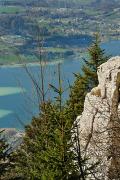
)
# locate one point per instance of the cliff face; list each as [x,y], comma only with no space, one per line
[99,124]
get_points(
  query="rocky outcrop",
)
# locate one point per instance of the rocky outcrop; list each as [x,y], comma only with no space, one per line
[99,124]
[13,137]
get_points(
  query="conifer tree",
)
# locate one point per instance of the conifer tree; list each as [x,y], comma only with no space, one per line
[5,162]
[88,79]
[47,149]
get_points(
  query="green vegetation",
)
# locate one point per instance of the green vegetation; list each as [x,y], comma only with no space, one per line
[87,79]
[58,50]
[47,150]
[83,2]
[51,148]
[11,9]
[20,22]
[4,158]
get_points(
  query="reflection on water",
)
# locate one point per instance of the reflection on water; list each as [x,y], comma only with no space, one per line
[16,109]
[4,91]
[4,113]
[25,105]
[49,63]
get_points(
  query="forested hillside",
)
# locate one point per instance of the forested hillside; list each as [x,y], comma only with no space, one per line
[72,22]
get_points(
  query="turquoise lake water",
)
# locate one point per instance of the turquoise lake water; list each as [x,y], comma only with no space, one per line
[18,100]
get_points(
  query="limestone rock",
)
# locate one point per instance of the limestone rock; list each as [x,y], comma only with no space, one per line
[13,137]
[99,124]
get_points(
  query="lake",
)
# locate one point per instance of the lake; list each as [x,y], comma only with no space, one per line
[18,100]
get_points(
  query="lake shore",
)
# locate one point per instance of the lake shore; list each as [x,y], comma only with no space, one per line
[30,64]
[106,45]
[13,75]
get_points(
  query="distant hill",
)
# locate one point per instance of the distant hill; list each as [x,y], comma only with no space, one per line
[68,19]
[63,3]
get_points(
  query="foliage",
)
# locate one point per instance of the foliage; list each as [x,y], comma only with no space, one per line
[47,149]
[50,149]
[88,79]
[5,162]
[46,152]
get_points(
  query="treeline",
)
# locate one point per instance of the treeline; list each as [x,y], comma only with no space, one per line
[61,3]
[51,146]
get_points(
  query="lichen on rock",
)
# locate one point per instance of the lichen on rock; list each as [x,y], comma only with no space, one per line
[99,124]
